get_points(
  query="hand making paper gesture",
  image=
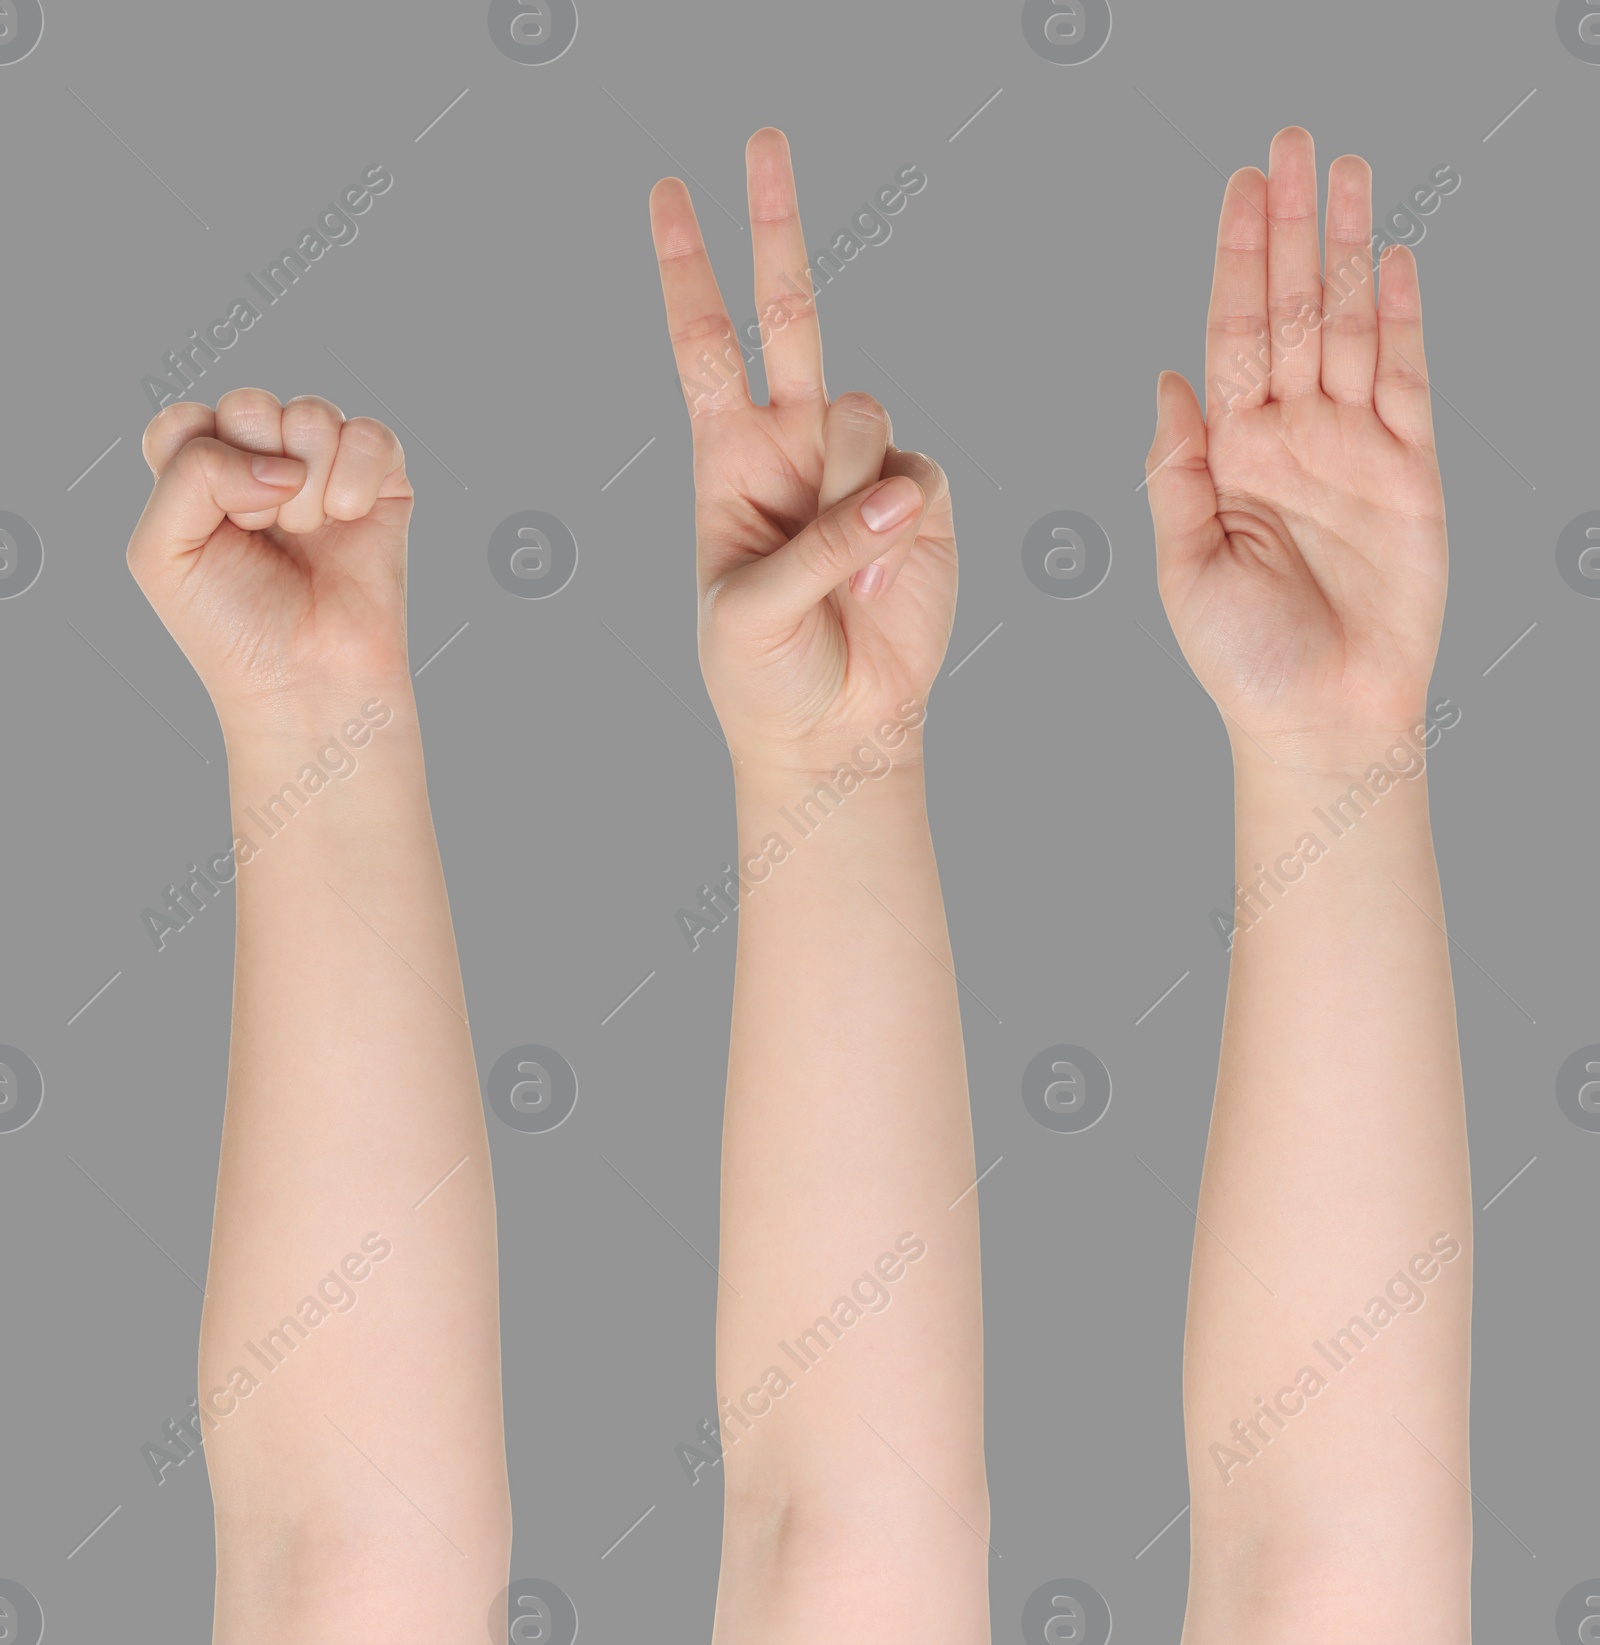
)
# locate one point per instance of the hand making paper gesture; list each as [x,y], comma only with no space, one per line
[1300,542]
[1300,522]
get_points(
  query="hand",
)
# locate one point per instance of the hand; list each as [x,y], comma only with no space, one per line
[274,549]
[1300,531]
[826,557]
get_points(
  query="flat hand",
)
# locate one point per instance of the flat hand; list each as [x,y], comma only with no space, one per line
[826,557]
[1300,525]
[273,547]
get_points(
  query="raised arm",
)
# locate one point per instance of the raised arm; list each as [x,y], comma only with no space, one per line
[849,1353]
[1301,542]
[349,1356]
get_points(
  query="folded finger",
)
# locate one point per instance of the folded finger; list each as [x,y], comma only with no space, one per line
[783,587]
[368,461]
[875,579]
[173,428]
[856,438]
[251,419]
[311,429]
[206,482]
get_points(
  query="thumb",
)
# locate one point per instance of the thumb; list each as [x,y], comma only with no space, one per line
[203,484]
[787,584]
[1183,500]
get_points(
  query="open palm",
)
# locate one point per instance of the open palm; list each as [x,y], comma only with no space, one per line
[1300,523]
[797,685]
[301,599]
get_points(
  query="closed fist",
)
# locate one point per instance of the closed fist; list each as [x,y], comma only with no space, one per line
[273,547]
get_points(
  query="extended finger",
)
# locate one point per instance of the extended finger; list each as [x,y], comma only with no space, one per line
[1402,394]
[1349,301]
[1238,358]
[1183,497]
[704,344]
[786,307]
[1294,265]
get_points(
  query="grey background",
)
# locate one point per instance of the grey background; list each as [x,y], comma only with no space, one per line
[501,304]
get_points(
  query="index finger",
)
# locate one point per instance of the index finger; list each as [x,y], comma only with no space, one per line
[172,428]
[704,343]
[1237,354]
[204,483]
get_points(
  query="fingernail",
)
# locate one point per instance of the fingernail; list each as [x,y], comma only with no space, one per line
[892,504]
[867,581]
[276,471]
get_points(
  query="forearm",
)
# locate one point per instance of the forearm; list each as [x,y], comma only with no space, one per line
[1327,1356]
[350,1381]
[849,1328]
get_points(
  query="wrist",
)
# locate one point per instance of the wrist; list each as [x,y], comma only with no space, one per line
[288,726]
[1315,757]
[779,807]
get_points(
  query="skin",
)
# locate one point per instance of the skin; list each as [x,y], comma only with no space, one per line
[856,1502]
[1301,548]
[360,1489]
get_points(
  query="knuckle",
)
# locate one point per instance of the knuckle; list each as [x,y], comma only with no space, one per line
[831,546]
[248,403]
[175,414]
[200,459]
[929,475]
[720,603]
[704,329]
[858,410]
[367,437]
[309,413]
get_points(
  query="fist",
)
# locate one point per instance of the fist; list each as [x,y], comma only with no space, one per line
[273,547]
